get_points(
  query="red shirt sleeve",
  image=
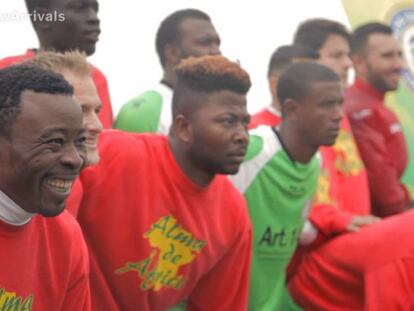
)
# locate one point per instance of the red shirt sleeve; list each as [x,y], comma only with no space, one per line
[388,195]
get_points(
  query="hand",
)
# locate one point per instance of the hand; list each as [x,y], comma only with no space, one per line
[357,222]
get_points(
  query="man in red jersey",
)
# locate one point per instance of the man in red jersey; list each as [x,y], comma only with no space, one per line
[161,222]
[74,26]
[280,59]
[44,262]
[378,64]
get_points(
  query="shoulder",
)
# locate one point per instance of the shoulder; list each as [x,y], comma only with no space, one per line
[263,146]
[141,113]
[63,227]
[11,60]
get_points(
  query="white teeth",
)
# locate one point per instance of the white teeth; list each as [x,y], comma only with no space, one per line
[60,185]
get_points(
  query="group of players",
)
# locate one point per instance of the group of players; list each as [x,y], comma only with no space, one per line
[312,216]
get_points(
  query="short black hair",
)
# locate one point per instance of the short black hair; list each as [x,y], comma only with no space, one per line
[285,55]
[360,36]
[295,81]
[168,31]
[204,75]
[14,80]
[314,32]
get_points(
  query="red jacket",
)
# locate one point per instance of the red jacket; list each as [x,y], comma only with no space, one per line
[381,142]
[98,77]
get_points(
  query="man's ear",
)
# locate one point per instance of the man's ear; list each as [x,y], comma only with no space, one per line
[183,129]
[290,108]
[273,80]
[172,54]
[359,63]
[5,152]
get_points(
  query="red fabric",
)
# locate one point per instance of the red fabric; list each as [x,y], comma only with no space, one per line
[156,238]
[98,77]
[267,116]
[44,263]
[75,198]
[382,145]
[369,270]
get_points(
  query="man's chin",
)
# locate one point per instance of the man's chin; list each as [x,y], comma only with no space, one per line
[52,211]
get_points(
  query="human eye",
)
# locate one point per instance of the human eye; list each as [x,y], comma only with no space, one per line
[81,140]
[98,109]
[57,141]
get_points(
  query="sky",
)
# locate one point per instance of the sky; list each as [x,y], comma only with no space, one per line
[250,31]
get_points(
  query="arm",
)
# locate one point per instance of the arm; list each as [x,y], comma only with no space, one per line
[226,286]
[389,196]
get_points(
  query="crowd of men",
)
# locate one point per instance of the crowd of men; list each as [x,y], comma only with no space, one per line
[190,203]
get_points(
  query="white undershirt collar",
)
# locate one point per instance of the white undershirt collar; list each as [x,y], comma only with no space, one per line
[12,213]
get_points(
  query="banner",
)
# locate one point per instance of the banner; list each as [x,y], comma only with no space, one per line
[400,16]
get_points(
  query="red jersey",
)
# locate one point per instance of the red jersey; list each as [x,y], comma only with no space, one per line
[370,270]
[44,265]
[267,116]
[98,77]
[382,145]
[156,238]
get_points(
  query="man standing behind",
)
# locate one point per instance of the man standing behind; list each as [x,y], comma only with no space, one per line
[280,173]
[182,34]
[279,61]
[44,262]
[76,28]
[378,62]
[342,202]
[161,222]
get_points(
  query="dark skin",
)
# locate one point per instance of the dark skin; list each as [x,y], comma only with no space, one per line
[79,30]
[312,121]
[44,153]
[213,138]
[197,38]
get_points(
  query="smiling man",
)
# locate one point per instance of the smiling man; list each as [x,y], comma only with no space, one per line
[76,70]
[161,222]
[279,175]
[182,34]
[76,28]
[45,266]
[378,63]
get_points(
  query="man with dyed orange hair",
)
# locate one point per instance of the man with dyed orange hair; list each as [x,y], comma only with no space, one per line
[161,222]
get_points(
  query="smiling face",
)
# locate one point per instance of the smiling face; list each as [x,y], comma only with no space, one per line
[44,153]
[87,96]
[79,30]
[219,133]
[320,113]
[382,63]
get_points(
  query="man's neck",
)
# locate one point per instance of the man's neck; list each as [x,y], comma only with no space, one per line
[299,150]
[199,176]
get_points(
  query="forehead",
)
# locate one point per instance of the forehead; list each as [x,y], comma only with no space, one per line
[334,42]
[84,88]
[224,102]
[324,90]
[378,42]
[192,27]
[41,110]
